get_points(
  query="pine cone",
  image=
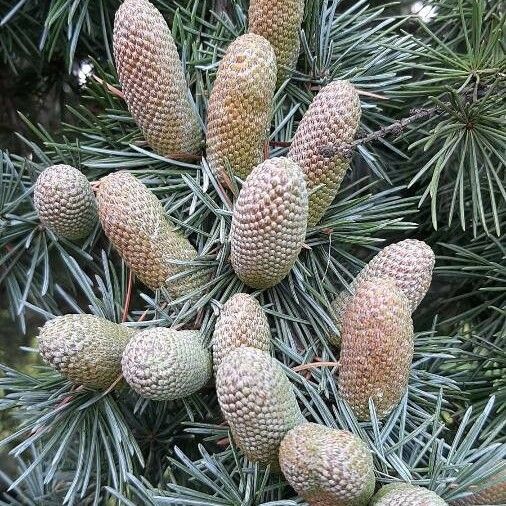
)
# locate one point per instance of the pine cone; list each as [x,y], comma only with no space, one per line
[85,348]
[327,467]
[242,322]
[376,348]
[279,21]
[135,222]
[404,494]
[322,141]
[258,402]
[64,201]
[240,106]
[153,81]
[407,263]
[269,223]
[166,364]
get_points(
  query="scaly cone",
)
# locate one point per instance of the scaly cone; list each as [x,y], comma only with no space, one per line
[242,322]
[279,21]
[64,201]
[136,223]
[322,141]
[153,80]
[408,263]
[327,467]
[240,106]
[258,402]
[269,223]
[376,348]
[404,494]
[84,348]
[166,364]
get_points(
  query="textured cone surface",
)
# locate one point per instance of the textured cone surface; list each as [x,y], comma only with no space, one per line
[493,492]
[321,143]
[404,494]
[64,201]
[166,364]
[407,263]
[327,467]
[279,21]
[240,106]
[86,349]
[269,223]
[152,79]
[135,222]
[376,348]
[258,402]
[242,322]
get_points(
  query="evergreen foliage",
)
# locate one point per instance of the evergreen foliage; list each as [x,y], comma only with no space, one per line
[428,163]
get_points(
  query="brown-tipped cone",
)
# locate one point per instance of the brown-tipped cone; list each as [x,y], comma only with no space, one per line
[269,223]
[491,492]
[240,107]
[136,223]
[64,201]
[153,81]
[165,364]
[279,21]
[84,348]
[258,402]
[404,494]
[327,467]
[376,348]
[242,322]
[321,145]
[408,263]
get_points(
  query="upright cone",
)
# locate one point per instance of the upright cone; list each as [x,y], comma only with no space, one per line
[376,348]
[257,401]
[153,81]
[136,223]
[240,106]
[64,201]
[242,322]
[408,263]
[85,348]
[269,223]
[279,21]
[404,494]
[327,467]
[322,141]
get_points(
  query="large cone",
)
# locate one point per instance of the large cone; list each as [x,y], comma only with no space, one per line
[153,81]
[240,107]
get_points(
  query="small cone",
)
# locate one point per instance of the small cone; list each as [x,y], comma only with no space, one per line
[165,364]
[321,143]
[404,494]
[64,201]
[279,21]
[327,467]
[135,222]
[84,348]
[258,402]
[240,107]
[242,322]
[376,348]
[269,223]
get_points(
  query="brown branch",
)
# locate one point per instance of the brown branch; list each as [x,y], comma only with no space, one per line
[109,87]
[128,297]
[303,367]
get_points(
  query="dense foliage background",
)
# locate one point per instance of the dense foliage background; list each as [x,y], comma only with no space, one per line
[430,166]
